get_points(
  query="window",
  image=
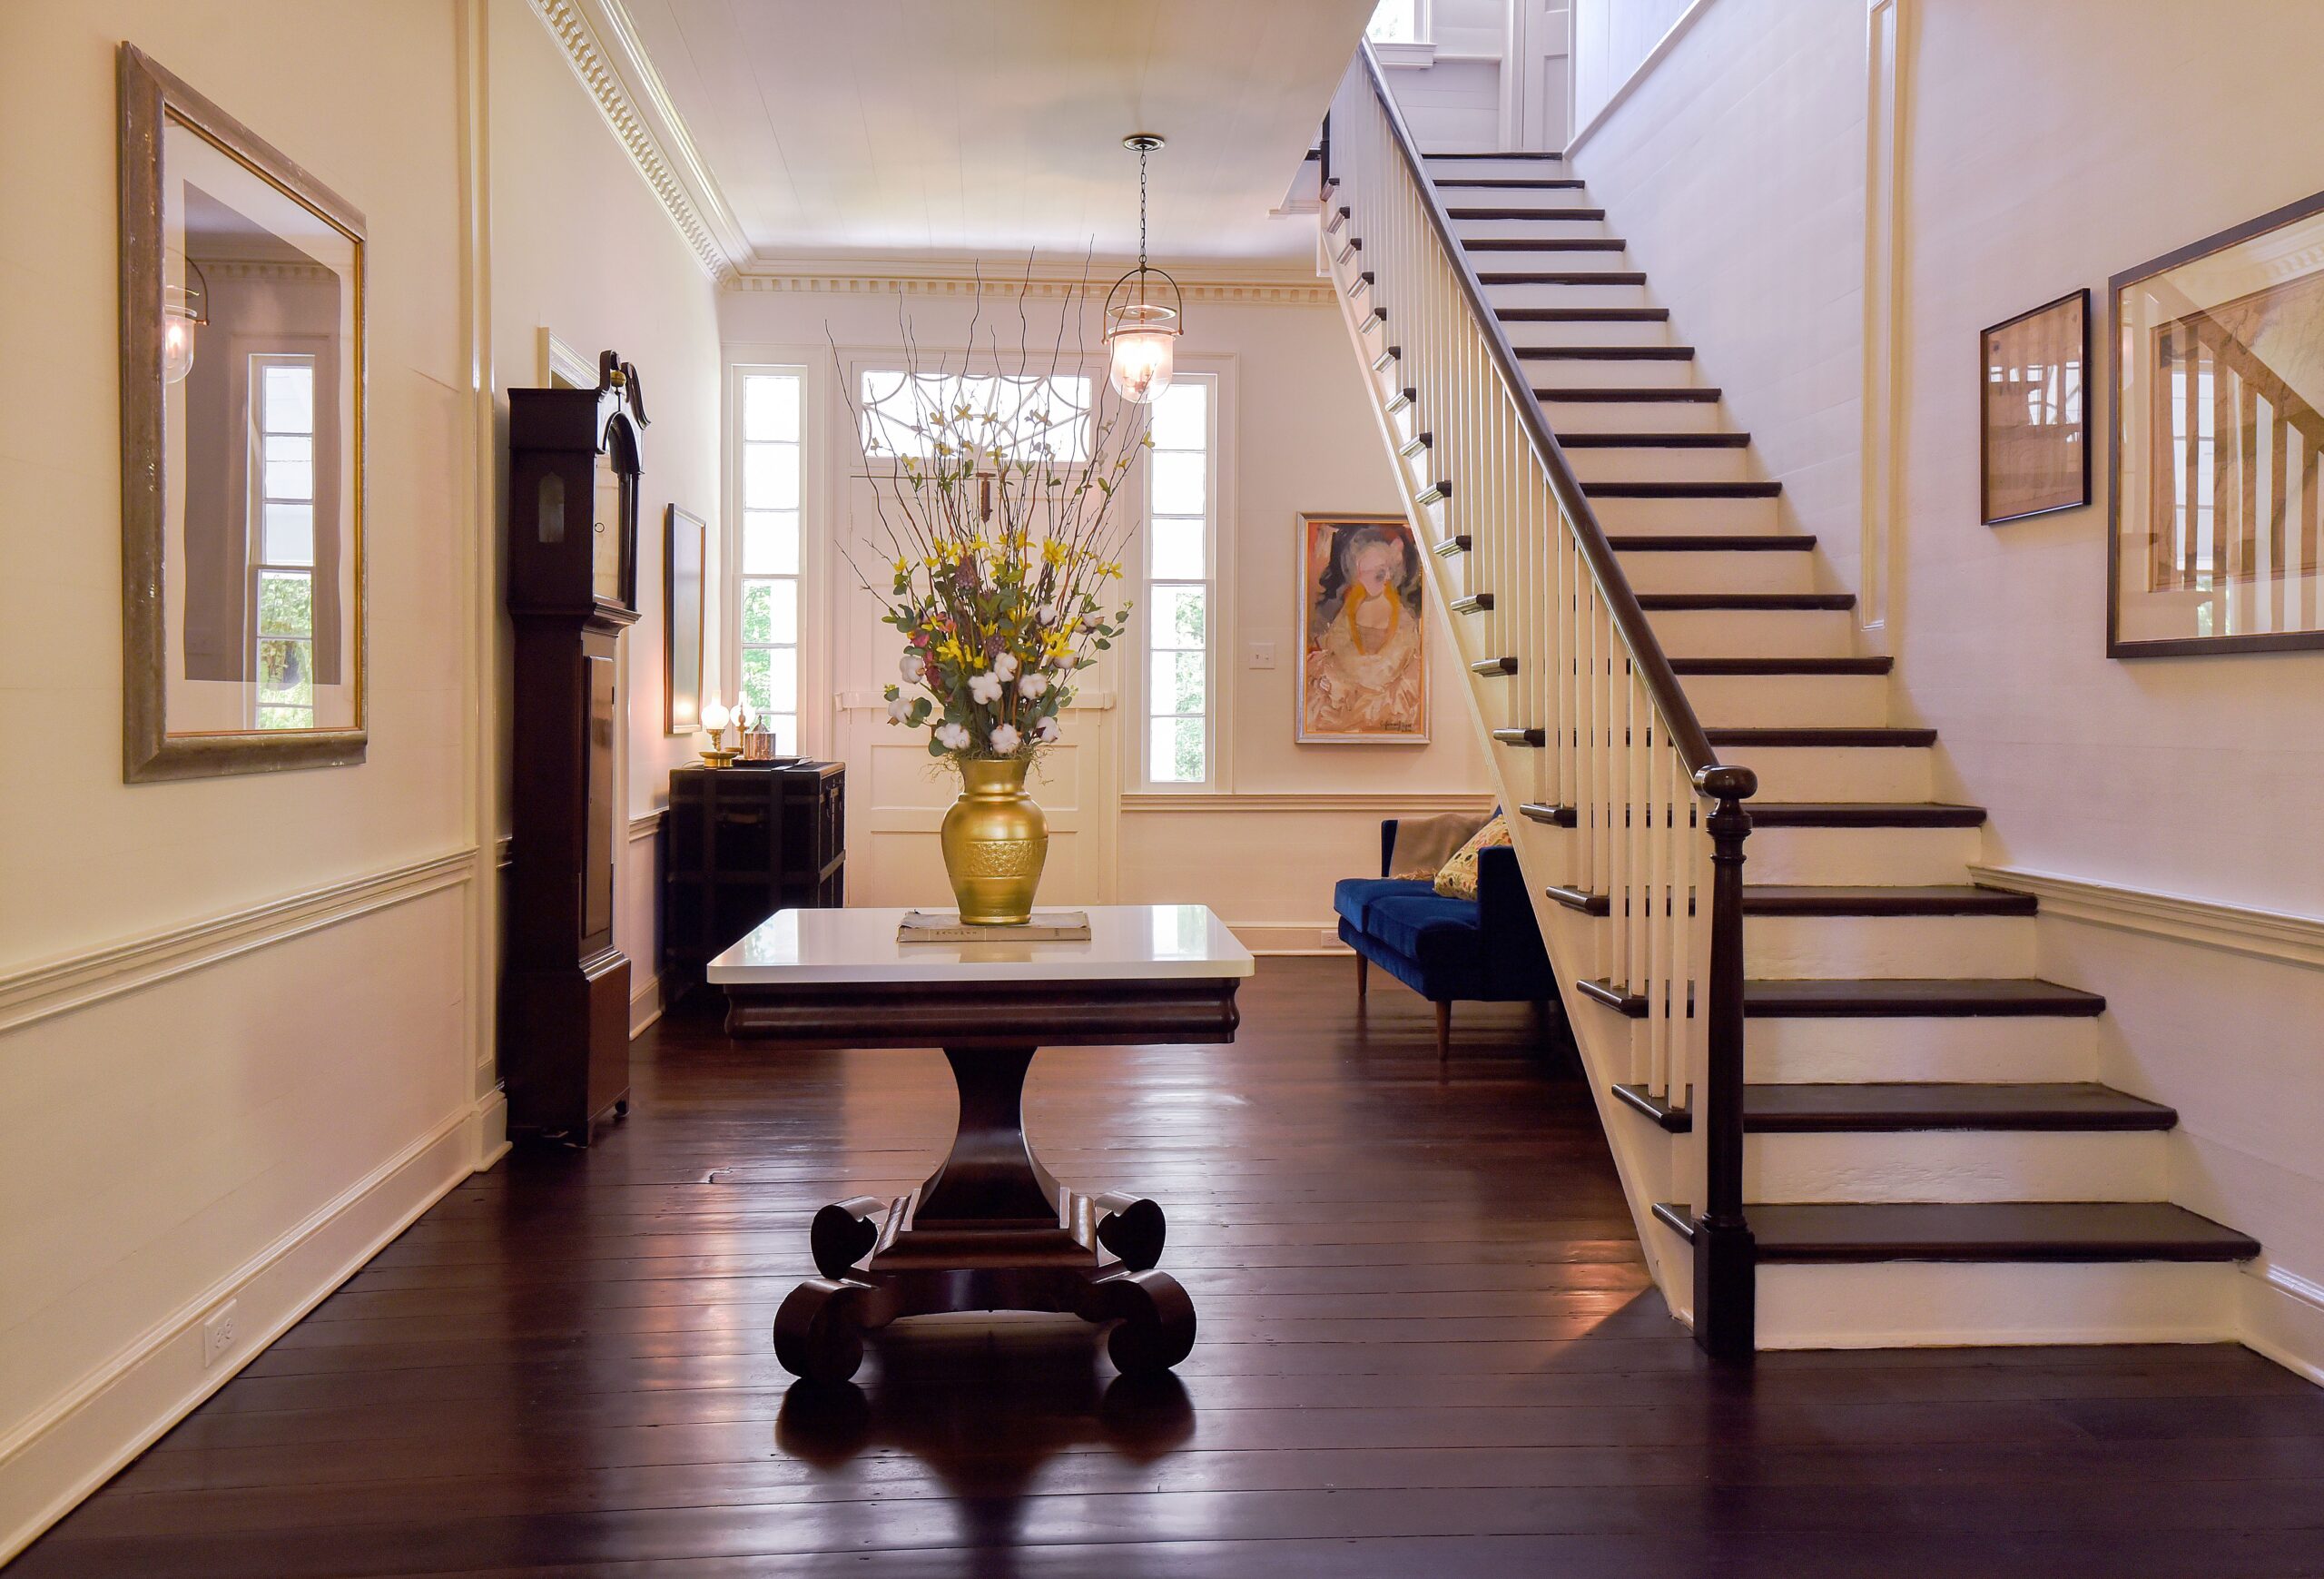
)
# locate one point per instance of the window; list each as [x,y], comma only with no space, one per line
[1181,584]
[767,589]
[1049,415]
[282,540]
[1398,21]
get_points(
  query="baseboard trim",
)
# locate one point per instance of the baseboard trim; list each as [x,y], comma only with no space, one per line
[68,1449]
[1288,938]
[2283,1319]
[2268,935]
[90,976]
[644,1005]
[489,1131]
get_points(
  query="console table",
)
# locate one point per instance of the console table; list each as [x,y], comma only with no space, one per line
[991,1228]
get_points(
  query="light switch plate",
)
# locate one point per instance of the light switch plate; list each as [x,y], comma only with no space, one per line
[1262,655]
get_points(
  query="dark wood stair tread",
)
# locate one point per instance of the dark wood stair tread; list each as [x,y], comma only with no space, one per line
[1606,353]
[1655,441]
[1864,814]
[1858,737]
[1562,277]
[2003,1231]
[1712,542]
[1512,182]
[1682,489]
[1886,997]
[1673,602]
[1544,243]
[1508,212]
[1584,314]
[1859,665]
[1630,395]
[1516,153]
[1906,1107]
[1866,898]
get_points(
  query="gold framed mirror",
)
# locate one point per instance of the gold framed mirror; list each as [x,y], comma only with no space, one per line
[241,414]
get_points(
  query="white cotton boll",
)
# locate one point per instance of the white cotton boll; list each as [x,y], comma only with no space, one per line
[1047,613]
[985,688]
[899,710]
[1005,739]
[1033,685]
[1005,665]
[912,669]
[1046,730]
[1092,621]
[952,736]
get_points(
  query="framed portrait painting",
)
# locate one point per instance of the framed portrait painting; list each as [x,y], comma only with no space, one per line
[2033,439]
[1363,648]
[2218,504]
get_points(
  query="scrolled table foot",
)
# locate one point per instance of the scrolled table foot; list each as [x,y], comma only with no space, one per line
[819,1330]
[1132,1229]
[843,1233]
[1157,1320]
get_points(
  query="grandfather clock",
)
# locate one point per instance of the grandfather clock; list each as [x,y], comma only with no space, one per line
[573,465]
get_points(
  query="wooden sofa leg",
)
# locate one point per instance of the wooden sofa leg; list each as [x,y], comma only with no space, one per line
[1444,1034]
[1363,976]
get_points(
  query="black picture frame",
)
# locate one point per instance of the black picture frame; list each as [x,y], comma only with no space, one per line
[2117,644]
[2078,298]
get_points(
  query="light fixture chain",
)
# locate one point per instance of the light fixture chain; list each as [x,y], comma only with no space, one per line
[1141,207]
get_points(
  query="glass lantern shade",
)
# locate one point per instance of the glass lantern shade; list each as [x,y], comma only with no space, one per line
[1141,338]
[181,314]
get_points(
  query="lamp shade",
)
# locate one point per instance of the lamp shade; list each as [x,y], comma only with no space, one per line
[1143,360]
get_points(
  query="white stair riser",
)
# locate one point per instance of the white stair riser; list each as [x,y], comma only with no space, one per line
[1602,373]
[1641,516]
[1548,199]
[1440,169]
[1632,415]
[1663,463]
[1542,260]
[1956,1165]
[1771,632]
[1830,947]
[1523,331]
[1726,570]
[1971,1048]
[1565,295]
[1764,701]
[1896,1304]
[1880,857]
[1551,226]
[1836,773]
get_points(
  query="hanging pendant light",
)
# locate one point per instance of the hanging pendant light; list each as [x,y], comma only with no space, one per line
[1141,324]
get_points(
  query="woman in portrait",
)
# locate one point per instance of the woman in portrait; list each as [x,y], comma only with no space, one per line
[1364,673]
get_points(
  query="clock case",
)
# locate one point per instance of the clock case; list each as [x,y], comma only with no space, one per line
[573,465]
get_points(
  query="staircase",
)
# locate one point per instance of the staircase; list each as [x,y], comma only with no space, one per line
[1839,1082]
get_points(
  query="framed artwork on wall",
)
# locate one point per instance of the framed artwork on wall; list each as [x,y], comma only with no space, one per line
[683,589]
[1364,669]
[2217,509]
[2032,432]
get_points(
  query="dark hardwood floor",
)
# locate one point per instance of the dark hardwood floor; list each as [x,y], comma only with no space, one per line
[1428,1347]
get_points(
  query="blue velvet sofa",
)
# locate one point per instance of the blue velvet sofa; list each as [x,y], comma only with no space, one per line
[1485,950]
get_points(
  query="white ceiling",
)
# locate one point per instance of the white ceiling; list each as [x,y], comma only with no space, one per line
[879,130]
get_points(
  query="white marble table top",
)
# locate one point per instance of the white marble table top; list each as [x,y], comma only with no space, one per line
[1126,942]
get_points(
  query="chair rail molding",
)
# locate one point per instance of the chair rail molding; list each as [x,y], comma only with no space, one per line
[1389,804]
[89,976]
[2269,935]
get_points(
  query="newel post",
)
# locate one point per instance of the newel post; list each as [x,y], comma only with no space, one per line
[1726,1257]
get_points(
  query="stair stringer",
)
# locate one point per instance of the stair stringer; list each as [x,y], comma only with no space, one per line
[1651,1164]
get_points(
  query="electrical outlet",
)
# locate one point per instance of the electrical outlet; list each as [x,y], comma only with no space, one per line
[1263,654]
[217,1335]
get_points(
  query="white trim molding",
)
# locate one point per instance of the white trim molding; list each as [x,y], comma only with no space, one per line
[2283,1319]
[90,976]
[1887,41]
[1307,804]
[2269,935]
[961,276]
[647,826]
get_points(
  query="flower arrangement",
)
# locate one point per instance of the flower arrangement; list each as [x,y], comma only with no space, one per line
[998,514]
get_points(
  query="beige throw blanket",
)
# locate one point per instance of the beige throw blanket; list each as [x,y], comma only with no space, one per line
[1423,845]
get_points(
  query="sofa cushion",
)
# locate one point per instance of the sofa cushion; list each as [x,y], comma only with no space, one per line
[1436,932]
[1458,879]
[1352,897]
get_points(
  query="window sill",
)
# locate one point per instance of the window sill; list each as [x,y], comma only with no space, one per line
[1405,54]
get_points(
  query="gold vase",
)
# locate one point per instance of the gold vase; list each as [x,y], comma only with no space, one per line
[995,841]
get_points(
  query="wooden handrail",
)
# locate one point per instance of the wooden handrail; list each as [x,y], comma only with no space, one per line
[1687,737]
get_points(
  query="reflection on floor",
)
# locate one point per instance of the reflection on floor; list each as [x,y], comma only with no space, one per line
[1428,1346]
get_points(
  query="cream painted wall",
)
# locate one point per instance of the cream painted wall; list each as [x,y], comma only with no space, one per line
[2045,147]
[1302,440]
[583,247]
[250,1127]
[1612,39]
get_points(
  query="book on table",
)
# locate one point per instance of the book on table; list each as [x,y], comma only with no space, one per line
[945,926]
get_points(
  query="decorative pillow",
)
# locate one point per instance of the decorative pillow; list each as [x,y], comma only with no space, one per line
[1458,880]
[1423,845]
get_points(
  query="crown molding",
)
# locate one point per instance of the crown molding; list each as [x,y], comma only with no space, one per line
[959,277]
[602,46]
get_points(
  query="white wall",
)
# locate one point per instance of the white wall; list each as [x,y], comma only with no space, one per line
[245,1022]
[1612,39]
[1302,441]
[1452,101]
[583,247]
[2044,148]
